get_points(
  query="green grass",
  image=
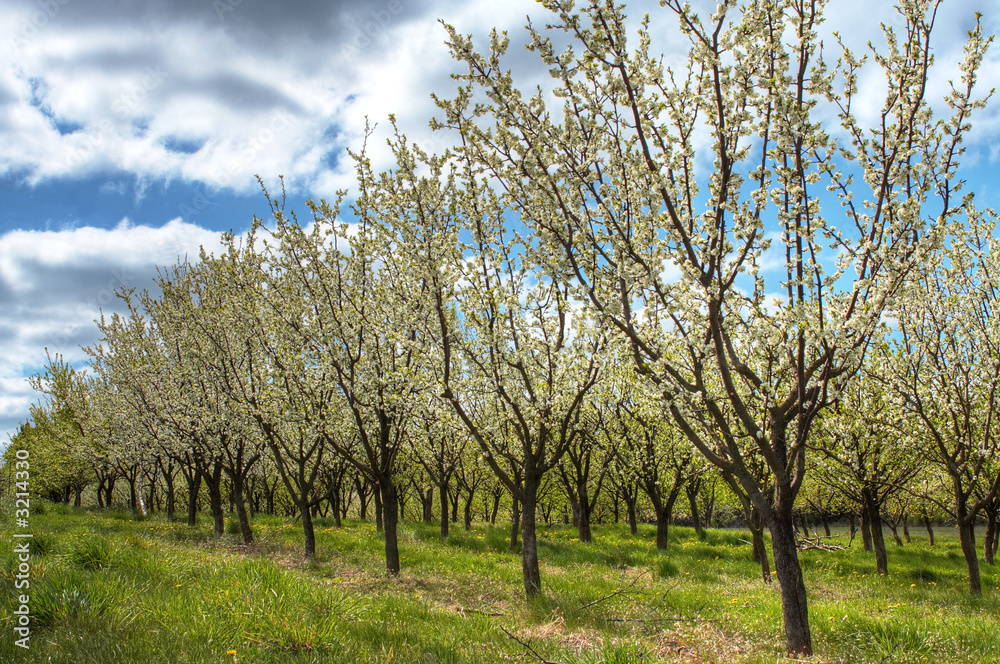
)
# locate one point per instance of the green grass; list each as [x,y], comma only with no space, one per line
[107,588]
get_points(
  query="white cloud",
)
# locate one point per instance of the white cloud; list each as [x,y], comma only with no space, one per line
[53,284]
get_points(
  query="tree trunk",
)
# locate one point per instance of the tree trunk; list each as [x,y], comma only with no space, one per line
[428,504]
[760,553]
[989,540]
[194,488]
[895,533]
[378,511]
[662,528]
[362,490]
[215,502]
[515,520]
[996,541]
[443,491]
[663,510]
[633,526]
[866,529]
[132,502]
[241,508]
[270,497]
[927,525]
[692,494]
[109,492]
[967,537]
[308,531]
[529,544]
[496,508]
[140,504]
[755,524]
[171,496]
[906,528]
[390,517]
[468,511]
[877,542]
[575,510]
[583,526]
[793,589]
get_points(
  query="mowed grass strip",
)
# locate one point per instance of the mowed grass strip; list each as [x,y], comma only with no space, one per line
[108,588]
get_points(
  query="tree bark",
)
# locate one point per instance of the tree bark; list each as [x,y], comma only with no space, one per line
[428,505]
[194,488]
[308,531]
[866,529]
[443,491]
[241,508]
[692,494]
[496,508]
[515,521]
[468,511]
[990,539]
[871,507]
[583,526]
[390,517]
[630,501]
[171,496]
[662,528]
[755,523]
[132,502]
[967,538]
[529,543]
[794,606]
[214,483]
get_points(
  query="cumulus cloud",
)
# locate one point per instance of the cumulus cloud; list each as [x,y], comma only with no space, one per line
[214,92]
[54,284]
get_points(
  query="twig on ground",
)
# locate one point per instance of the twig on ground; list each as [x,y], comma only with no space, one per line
[462,609]
[622,590]
[531,651]
[817,543]
[662,620]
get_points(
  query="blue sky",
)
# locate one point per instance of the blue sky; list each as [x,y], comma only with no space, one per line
[130,132]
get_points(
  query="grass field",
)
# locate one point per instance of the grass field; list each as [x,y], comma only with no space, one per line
[108,588]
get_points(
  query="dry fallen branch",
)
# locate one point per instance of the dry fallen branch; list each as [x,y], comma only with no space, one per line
[623,589]
[482,613]
[531,651]
[662,620]
[817,544]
